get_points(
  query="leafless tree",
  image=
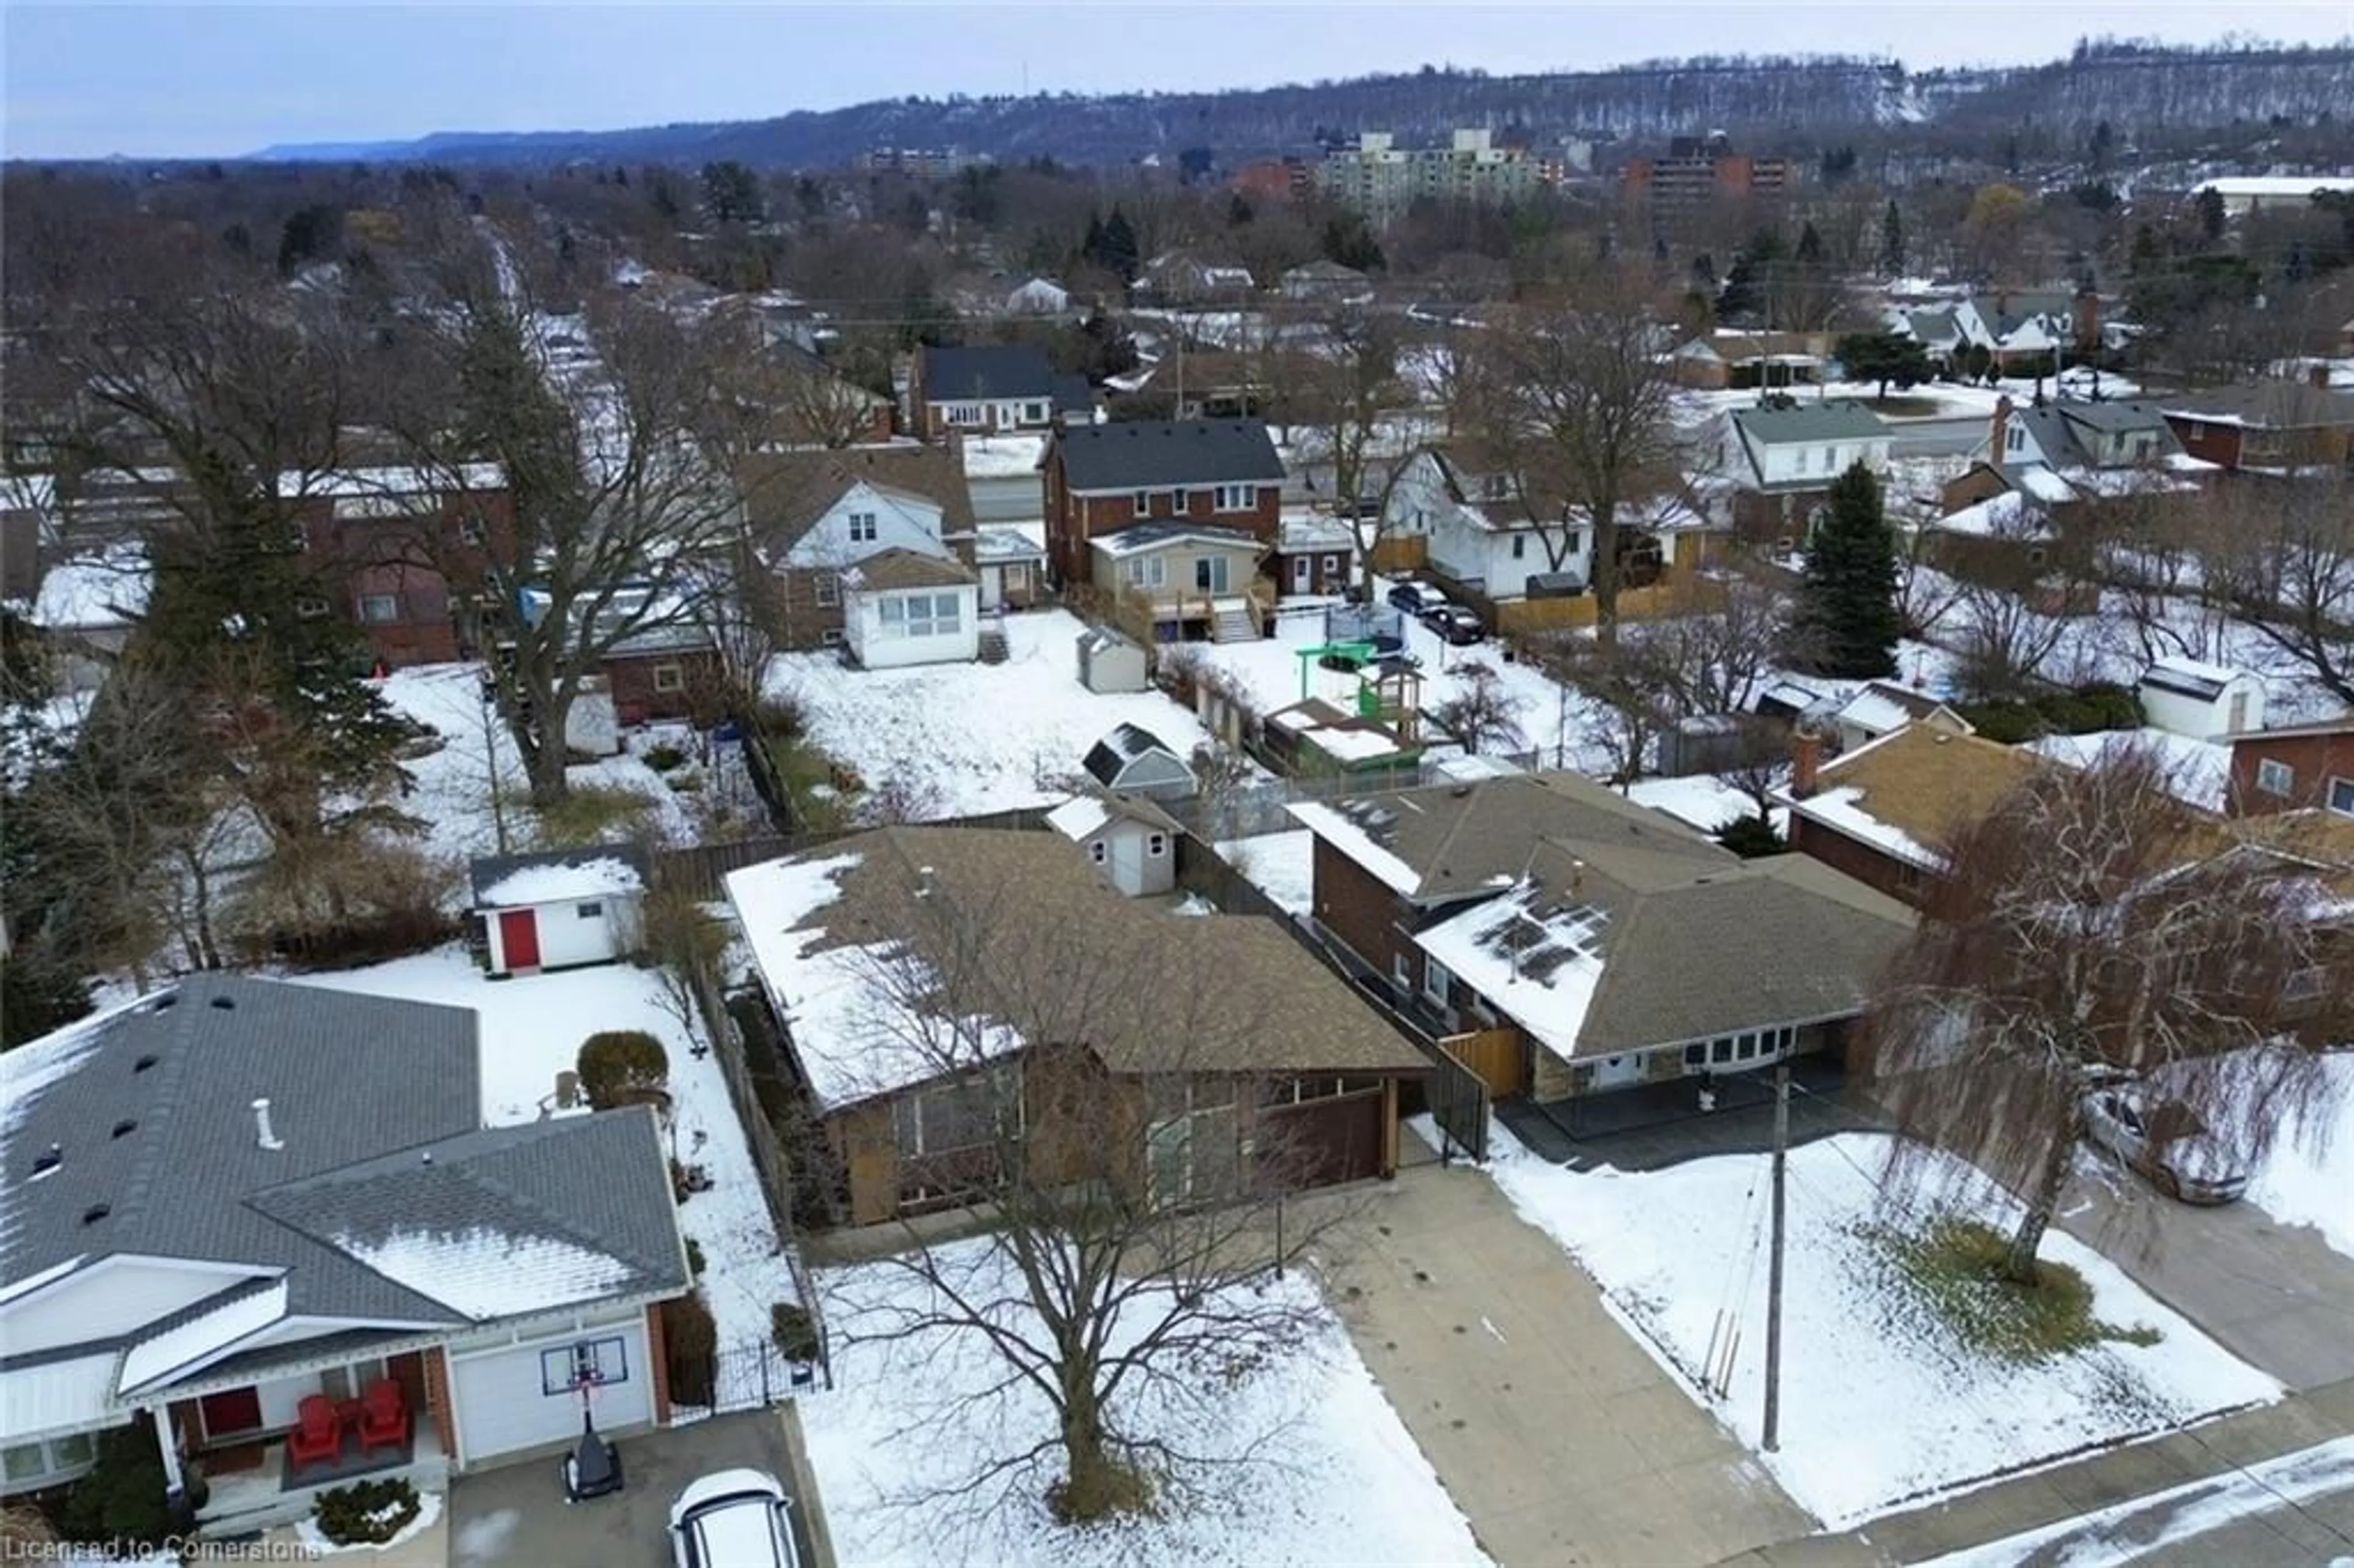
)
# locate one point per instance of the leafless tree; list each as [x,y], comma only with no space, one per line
[2003,642]
[1346,401]
[1716,642]
[1629,693]
[1483,714]
[1575,396]
[2089,927]
[1130,1266]
[2282,556]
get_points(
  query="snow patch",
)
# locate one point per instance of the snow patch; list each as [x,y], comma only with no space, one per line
[487,1274]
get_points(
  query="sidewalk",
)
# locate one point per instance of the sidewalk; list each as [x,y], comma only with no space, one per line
[2117,1474]
[1554,1431]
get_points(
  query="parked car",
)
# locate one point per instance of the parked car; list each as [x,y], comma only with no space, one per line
[733,1519]
[1455,624]
[1416,598]
[2166,1143]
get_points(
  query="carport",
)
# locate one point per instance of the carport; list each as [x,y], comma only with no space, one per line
[515,1517]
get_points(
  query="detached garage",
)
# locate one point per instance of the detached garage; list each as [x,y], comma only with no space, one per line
[559,909]
[526,1392]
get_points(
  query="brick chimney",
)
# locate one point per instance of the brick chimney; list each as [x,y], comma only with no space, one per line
[1805,762]
[2086,320]
[2000,431]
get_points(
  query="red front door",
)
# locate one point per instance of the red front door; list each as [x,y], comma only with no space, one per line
[230,1413]
[519,938]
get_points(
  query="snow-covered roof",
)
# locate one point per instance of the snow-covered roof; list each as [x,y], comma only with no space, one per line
[106,589]
[1009,541]
[1471,767]
[1539,961]
[1337,829]
[297,483]
[2043,485]
[1080,817]
[484,1273]
[2288,187]
[2009,516]
[2196,772]
[1298,532]
[559,878]
[2191,677]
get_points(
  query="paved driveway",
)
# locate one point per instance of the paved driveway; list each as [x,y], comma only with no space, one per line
[516,1517]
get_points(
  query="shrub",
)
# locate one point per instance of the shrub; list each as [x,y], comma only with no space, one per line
[686,783]
[615,1062]
[1752,837]
[662,757]
[690,1348]
[779,716]
[366,1512]
[122,1501]
[694,1257]
[796,1331]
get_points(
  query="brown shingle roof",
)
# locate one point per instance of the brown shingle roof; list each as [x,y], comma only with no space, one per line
[1926,783]
[906,570]
[787,490]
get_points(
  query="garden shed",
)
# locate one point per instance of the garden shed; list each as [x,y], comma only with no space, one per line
[560,908]
[1133,760]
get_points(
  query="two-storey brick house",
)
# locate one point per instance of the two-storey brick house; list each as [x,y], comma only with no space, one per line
[1101,478]
[403,552]
[2295,767]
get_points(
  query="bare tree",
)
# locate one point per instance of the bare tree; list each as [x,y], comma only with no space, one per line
[2003,642]
[1134,1245]
[1484,714]
[2282,556]
[1717,642]
[2090,928]
[1575,395]
[1344,403]
[1629,691]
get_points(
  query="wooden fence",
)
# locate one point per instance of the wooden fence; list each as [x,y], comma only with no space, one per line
[1499,1056]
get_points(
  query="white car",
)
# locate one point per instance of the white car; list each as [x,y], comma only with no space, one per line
[733,1519]
[2167,1143]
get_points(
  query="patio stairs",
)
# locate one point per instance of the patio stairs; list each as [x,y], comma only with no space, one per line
[993,647]
[1230,621]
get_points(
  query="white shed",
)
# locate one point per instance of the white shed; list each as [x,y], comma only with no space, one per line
[1131,841]
[559,909]
[2201,701]
[1133,760]
[1110,663]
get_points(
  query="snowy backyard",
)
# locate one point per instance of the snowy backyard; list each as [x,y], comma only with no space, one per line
[965,739]
[1882,1403]
[531,1030]
[1338,1479]
[2309,1180]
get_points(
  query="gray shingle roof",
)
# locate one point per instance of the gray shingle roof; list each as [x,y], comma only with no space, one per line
[986,374]
[1809,422]
[1108,757]
[1149,454]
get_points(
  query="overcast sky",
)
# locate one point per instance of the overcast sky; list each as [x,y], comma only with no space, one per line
[211,80]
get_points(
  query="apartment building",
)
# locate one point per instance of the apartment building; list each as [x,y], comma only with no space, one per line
[1380,179]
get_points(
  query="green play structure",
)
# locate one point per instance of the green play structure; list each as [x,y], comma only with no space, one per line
[1358,654]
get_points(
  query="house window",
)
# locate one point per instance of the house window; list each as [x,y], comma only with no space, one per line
[1192,1152]
[1436,980]
[863,527]
[59,1459]
[1147,571]
[379,609]
[830,638]
[2341,796]
[1520,545]
[919,615]
[1494,487]
[1237,497]
[1696,1056]
[828,589]
[1034,412]
[1099,852]
[1401,974]
[471,531]
[1157,846]
[2274,777]
[962,1114]
[1719,1052]
[1210,573]
[592,910]
[670,678]
[1144,503]
[1331,565]
[564,1368]
[2014,439]
[2194,432]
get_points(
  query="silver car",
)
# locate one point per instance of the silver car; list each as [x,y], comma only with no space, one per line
[2167,1143]
[733,1519]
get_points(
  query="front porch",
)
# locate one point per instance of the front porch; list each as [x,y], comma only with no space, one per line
[263,1463]
[257,1485]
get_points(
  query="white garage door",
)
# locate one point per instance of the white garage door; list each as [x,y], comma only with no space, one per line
[521,1397]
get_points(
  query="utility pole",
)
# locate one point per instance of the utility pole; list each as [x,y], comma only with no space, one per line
[1774,1265]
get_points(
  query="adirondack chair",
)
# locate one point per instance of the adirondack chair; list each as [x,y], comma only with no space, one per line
[317,1436]
[384,1417]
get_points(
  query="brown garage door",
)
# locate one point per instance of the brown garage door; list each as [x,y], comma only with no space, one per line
[1322,1142]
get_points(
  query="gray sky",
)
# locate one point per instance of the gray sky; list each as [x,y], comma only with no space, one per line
[199,80]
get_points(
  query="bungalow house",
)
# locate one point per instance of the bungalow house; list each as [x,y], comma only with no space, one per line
[1175,582]
[903,607]
[1602,945]
[663,664]
[2009,541]
[1102,478]
[1780,461]
[267,1218]
[1882,813]
[1884,707]
[813,514]
[85,610]
[2021,332]
[964,1008]
[1320,281]
[2294,766]
[2066,452]
[1186,278]
[1132,761]
[992,390]
[1130,841]
[1729,358]
[2269,427]
[559,908]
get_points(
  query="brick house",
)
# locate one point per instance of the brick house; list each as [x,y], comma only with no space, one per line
[815,514]
[2294,767]
[1578,943]
[1100,479]
[1881,812]
[402,552]
[993,391]
[2270,425]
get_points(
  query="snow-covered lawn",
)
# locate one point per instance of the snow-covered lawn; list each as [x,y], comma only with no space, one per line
[1281,865]
[531,1029]
[1880,1404]
[1337,1477]
[963,739]
[2309,1180]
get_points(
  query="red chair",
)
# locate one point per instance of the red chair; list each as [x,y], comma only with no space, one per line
[384,1417]
[318,1437]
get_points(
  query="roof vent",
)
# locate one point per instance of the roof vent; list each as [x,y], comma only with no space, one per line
[142,1064]
[169,1000]
[264,1137]
[48,1160]
[427,1159]
[224,1003]
[125,1128]
[94,1213]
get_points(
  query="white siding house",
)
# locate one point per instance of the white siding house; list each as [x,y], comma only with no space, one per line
[903,607]
[867,519]
[1476,531]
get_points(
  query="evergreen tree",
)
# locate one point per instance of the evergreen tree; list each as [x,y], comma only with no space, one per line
[1846,616]
[2211,214]
[1120,251]
[731,193]
[1884,357]
[1892,240]
[1347,240]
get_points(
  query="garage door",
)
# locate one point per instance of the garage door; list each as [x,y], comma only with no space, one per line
[523,1396]
[1323,1142]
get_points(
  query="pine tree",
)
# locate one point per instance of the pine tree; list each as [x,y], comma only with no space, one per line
[1847,620]
[1892,240]
[1120,246]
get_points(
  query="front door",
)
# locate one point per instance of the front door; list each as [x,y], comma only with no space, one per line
[1301,580]
[230,1413]
[519,938]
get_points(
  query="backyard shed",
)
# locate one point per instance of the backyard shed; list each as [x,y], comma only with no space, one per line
[1110,663]
[560,908]
[1129,841]
[1133,760]
[2200,700]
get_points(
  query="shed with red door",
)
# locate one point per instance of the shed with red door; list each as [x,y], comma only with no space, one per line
[560,908]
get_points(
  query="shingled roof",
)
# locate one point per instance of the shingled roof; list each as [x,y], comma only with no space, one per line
[787,490]
[1155,454]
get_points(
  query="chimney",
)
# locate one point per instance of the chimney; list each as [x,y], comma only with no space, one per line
[2002,429]
[264,1137]
[2317,375]
[2087,321]
[1805,762]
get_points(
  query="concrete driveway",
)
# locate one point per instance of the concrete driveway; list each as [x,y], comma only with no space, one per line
[516,1517]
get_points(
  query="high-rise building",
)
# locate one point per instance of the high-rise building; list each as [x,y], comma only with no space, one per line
[1380,179]
[1698,170]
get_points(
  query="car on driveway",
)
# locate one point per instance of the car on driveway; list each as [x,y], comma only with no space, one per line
[1455,624]
[2166,1143]
[1415,599]
[733,1519]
